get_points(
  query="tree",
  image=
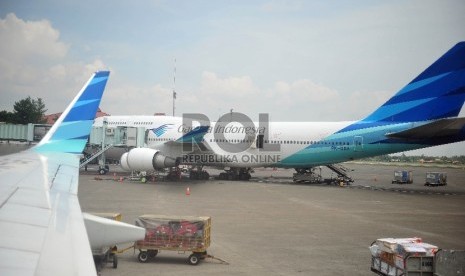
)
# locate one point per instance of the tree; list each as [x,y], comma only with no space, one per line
[29,111]
[6,117]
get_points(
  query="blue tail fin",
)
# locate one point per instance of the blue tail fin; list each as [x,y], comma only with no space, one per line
[71,130]
[438,92]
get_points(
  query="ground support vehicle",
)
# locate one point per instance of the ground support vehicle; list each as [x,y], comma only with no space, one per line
[402,177]
[174,233]
[412,257]
[406,256]
[436,179]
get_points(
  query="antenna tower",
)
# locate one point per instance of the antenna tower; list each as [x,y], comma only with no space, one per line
[174,87]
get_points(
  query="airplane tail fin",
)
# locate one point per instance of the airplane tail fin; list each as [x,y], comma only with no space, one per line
[438,92]
[71,130]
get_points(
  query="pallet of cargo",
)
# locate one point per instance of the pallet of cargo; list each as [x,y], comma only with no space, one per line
[174,233]
[411,256]
[407,256]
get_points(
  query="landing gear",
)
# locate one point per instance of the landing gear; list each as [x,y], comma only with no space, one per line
[174,174]
[103,169]
[198,174]
[235,174]
[308,175]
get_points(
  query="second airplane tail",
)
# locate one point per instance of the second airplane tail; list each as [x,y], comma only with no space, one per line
[438,92]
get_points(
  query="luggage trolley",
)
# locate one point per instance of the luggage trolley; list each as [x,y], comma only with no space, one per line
[174,233]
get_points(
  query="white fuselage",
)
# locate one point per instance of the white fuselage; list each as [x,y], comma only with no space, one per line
[286,139]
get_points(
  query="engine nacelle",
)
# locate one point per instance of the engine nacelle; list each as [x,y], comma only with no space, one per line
[145,159]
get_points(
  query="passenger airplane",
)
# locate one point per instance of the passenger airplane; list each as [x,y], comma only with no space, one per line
[42,229]
[422,114]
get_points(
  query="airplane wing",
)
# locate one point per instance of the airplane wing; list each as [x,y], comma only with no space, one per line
[42,229]
[437,129]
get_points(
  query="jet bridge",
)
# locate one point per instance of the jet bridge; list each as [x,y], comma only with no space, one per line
[119,139]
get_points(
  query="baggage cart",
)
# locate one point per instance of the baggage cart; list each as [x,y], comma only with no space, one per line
[174,233]
[403,257]
[436,179]
[413,265]
[402,177]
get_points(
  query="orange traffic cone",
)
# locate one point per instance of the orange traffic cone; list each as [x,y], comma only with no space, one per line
[188,191]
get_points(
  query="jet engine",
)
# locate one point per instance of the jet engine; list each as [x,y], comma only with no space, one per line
[145,159]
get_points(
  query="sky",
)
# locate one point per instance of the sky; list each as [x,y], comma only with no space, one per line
[295,60]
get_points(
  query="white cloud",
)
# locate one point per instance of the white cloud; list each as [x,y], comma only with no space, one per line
[137,100]
[304,90]
[229,87]
[29,39]
[34,62]
[286,100]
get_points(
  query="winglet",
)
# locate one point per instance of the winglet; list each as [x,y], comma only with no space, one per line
[70,132]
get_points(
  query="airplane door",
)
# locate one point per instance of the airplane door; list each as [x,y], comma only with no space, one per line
[358,143]
[259,141]
[146,136]
[131,138]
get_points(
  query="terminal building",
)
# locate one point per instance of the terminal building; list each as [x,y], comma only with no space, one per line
[106,145]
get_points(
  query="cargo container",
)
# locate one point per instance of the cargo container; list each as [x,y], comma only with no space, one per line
[436,179]
[413,257]
[402,177]
[407,256]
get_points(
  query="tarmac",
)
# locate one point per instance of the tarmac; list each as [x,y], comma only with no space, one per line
[272,226]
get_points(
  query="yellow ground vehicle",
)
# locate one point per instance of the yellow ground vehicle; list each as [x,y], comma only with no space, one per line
[174,233]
